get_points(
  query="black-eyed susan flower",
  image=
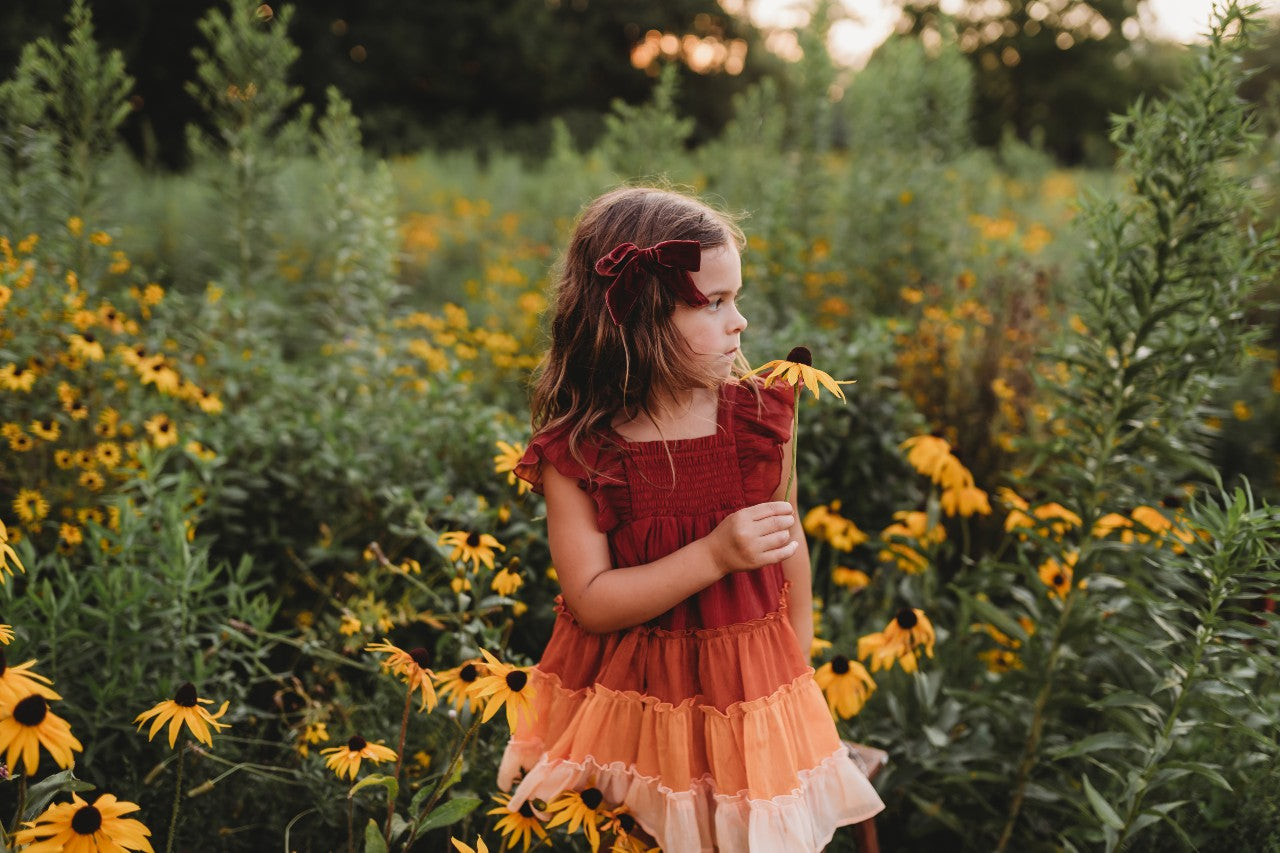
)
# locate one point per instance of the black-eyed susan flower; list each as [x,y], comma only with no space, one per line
[6,634]
[162,430]
[504,684]
[1150,522]
[1109,523]
[1056,574]
[579,809]
[30,506]
[82,827]
[506,582]
[19,681]
[926,453]
[411,666]
[47,429]
[456,684]
[28,725]
[1053,519]
[474,547]
[965,501]
[519,826]
[505,462]
[350,624]
[909,538]
[908,631]
[184,708]
[625,830]
[854,579]
[826,523]
[846,684]
[86,346]
[797,369]
[345,760]
[463,847]
[7,554]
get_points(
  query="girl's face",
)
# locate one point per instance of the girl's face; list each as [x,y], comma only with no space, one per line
[713,331]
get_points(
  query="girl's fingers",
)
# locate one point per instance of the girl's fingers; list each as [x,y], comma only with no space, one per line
[771,509]
[777,555]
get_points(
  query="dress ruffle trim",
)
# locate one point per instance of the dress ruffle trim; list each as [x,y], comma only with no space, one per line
[752,748]
[831,794]
[720,666]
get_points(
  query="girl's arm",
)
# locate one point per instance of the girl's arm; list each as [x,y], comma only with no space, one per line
[603,599]
[796,567]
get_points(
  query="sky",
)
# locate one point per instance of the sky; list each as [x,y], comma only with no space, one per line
[853,40]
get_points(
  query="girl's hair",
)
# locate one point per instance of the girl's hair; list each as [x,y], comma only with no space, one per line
[594,368]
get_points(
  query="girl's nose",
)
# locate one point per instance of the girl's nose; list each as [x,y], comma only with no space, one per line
[739,320]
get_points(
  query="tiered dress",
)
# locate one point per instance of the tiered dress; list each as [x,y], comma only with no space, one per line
[705,721]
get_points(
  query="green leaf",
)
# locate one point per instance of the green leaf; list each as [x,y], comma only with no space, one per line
[388,782]
[1101,807]
[373,840]
[1095,742]
[41,793]
[447,813]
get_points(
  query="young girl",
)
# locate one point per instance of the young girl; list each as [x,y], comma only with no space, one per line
[676,681]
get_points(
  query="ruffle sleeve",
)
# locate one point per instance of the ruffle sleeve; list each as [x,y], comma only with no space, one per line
[763,419]
[598,473]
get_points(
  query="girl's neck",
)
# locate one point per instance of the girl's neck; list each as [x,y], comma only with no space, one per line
[671,416]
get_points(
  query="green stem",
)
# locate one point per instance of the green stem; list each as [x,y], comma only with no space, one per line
[177,798]
[404,727]
[22,804]
[351,822]
[444,779]
[795,441]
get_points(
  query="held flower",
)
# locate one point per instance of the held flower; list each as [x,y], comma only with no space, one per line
[412,667]
[81,827]
[797,370]
[467,848]
[184,708]
[345,760]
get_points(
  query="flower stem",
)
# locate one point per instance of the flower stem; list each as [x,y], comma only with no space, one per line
[351,822]
[177,798]
[444,779]
[22,804]
[795,441]
[404,727]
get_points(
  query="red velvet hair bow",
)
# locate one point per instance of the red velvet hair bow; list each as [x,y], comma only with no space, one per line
[670,262]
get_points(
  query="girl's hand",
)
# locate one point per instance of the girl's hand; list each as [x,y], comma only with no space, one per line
[753,537]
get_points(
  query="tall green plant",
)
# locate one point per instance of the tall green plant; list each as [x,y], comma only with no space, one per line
[251,126]
[58,119]
[1161,320]
[647,140]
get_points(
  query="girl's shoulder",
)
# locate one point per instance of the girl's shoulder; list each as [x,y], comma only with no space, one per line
[555,446]
[765,413]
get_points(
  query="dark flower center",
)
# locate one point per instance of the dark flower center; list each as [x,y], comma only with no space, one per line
[517,679]
[800,355]
[473,539]
[88,337]
[906,619]
[4,662]
[592,798]
[357,743]
[526,809]
[1171,501]
[186,695]
[31,711]
[420,656]
[839,664]
[86,821]
[469,673]
[627,822]
[1059,579]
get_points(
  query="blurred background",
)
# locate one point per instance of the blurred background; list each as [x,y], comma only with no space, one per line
[492,73]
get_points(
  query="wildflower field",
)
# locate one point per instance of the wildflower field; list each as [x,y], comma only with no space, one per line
[269,582]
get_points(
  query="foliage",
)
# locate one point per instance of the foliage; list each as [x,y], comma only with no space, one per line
[348,343]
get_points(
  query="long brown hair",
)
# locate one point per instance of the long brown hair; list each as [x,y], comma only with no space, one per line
[594,368]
